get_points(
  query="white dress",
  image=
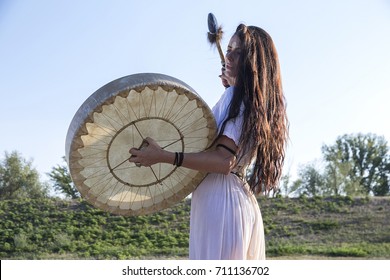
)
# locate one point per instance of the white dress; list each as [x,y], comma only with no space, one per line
[225,221]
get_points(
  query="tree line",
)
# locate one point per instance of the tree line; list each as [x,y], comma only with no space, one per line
[355,165]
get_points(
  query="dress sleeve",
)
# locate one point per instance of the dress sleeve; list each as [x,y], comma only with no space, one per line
[233,129]
[220,110]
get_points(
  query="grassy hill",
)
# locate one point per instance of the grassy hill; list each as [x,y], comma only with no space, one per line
[296,228]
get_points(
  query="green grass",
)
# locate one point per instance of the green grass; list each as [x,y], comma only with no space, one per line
[296,228]
[328,227]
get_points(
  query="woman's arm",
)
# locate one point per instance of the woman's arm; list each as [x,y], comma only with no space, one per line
[220,160]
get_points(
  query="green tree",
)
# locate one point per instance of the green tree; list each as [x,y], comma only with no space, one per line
[358,164]
[338,181]
[310,181]
[18,179]
[63,182]
[284,186]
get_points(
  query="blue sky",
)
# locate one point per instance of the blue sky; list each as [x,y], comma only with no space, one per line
[334,56]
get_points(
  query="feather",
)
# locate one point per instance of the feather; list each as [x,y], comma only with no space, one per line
[213,38]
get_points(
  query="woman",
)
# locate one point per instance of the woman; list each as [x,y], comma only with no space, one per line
[226,222]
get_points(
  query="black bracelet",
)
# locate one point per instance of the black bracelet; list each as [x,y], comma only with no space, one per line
[180,159]
[176,159]
[228,149]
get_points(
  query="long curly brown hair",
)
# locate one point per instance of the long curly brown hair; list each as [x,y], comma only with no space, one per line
[259,88]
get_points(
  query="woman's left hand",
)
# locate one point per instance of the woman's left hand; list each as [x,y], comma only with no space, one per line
[148,154]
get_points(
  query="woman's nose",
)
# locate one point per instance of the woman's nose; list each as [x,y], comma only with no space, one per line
[228,56]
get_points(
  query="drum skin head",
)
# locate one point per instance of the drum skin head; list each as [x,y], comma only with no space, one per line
[119,116]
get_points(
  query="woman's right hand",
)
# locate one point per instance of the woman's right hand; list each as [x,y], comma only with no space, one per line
[224,78]
[227,81]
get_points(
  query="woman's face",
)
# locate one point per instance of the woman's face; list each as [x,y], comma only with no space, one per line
[231,59]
